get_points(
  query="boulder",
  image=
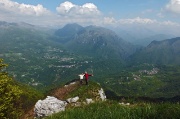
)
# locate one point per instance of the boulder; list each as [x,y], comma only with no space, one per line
[49,106]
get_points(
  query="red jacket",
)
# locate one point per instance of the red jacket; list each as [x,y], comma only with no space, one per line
[86,75]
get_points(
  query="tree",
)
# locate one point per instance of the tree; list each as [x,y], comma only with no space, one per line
[9,95]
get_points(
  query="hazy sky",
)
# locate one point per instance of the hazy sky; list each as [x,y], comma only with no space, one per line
[92,12]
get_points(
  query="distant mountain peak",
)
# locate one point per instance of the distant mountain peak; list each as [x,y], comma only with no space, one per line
[93,40]
[13,24]
[72,25]
[69,30]
[167,41]
[160,52]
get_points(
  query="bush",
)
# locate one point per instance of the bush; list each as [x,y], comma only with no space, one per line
[10,94]
[16,98]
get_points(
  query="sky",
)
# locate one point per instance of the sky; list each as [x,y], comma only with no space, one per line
[160,14]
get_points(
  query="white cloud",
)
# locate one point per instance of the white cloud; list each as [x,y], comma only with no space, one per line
[23,9]
[137,20]
[70,9]
[173,6]
[67,12]
[133,24]
[169,23]
[65,7]
[34,14]
[159,27]
[147,22]
[110,20]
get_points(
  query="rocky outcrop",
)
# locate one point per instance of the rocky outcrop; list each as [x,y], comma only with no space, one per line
[102,94]
[52,105]
[49,106]
[73,100]
[88,101]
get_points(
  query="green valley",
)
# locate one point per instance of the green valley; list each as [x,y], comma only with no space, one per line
[146,81]
[46,59]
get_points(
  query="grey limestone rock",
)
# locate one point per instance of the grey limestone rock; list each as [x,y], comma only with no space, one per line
[102,94]
[49,106]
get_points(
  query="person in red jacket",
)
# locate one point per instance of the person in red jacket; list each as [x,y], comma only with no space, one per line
[86,75]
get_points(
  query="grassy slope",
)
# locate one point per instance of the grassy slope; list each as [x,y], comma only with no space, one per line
[163,84]
[82,91]
[112,110]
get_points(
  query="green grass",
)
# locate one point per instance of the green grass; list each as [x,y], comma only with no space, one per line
[163,84]
[86,91]
[112,110]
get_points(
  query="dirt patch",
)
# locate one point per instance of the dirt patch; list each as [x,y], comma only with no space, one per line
[61,93]
[29,114]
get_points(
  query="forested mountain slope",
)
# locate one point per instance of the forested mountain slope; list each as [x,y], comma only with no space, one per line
[95,41]
[159,52]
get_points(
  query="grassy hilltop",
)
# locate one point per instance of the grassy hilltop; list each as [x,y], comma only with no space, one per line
[112,109]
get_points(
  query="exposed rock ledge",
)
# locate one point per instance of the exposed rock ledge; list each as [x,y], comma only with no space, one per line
[49,106]
[52,105]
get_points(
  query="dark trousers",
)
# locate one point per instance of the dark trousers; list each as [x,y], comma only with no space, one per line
[86,81]
[81,81]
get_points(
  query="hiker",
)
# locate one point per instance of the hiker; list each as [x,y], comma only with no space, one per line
[86,75]
[81,77]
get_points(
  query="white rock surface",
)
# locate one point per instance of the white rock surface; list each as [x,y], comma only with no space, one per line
[88,101]
[72,83]
[126,104]
[73,100]
[49,106]
[102,94]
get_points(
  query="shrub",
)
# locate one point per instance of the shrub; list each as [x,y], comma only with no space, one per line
[10,94]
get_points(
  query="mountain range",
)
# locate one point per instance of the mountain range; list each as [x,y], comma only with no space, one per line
[33,58]
[159,52]
[42,57]
[142,35]
[46,59]
[94,41]
[104,43]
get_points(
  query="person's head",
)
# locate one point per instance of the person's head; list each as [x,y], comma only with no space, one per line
[85,72]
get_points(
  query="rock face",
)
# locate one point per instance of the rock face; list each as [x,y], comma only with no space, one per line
[88,101]
[52,105]
[102,94]
[73,100]
[49,106]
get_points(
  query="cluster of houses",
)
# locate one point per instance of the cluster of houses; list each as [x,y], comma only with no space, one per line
[149,72]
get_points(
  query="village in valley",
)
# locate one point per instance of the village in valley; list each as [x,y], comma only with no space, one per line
[145,73]
[55,61]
